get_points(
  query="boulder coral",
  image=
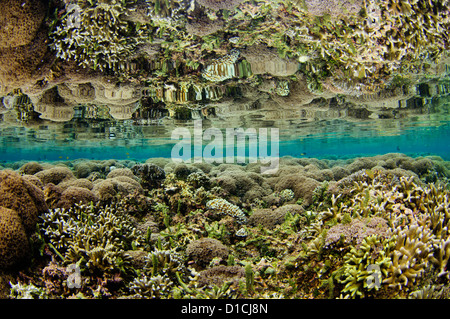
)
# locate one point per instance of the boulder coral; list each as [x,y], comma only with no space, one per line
[14,247]
[55,175]
[202,251]
[24,54]
[220,4]
[25,198]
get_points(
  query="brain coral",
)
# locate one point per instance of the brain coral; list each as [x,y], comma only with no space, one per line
[22,196]
[14,247]
[220,4]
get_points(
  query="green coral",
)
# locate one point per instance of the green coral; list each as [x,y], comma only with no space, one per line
[357,273]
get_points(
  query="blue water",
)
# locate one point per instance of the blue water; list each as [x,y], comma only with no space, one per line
[329,139]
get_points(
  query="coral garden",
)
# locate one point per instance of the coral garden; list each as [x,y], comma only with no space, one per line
[369,227]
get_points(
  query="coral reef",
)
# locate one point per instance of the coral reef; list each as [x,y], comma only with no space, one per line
[372,227]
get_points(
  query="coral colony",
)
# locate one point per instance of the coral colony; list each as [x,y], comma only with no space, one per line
[225,215]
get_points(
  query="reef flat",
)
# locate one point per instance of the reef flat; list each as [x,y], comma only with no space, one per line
[369,227]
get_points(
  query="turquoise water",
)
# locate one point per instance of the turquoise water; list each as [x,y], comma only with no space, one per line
[329,139]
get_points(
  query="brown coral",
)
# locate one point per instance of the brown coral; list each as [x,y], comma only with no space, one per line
[202,26]
[25,56]
[218,275]
[22,196]
[220,4]
[55,175]
[202,251]
[75,195]
[20,21]
[14,247]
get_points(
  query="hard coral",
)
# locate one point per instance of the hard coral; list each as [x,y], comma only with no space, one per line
[19,22]
[202,251]
[55,175]
[334,7]
[220,4]
[14,247]
[22,196]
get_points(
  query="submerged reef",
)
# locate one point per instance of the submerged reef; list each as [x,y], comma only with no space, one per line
[370,227]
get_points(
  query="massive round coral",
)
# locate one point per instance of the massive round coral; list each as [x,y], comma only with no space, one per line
[220,4]
[22,196]
[14,247]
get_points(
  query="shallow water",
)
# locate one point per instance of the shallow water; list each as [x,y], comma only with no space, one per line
[364,153]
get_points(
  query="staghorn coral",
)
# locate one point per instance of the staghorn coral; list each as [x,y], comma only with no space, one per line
[154,287]
[356,271]
[413,251]
[94,237]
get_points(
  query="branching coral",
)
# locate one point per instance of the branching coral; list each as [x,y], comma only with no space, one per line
[357,273]
[94,34]
[96,238]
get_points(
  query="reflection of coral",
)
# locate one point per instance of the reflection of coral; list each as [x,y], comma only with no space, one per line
[266,60]
[222,69]
[220,4]
[100,38]
[20,21]
[202,26]
[334,7]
